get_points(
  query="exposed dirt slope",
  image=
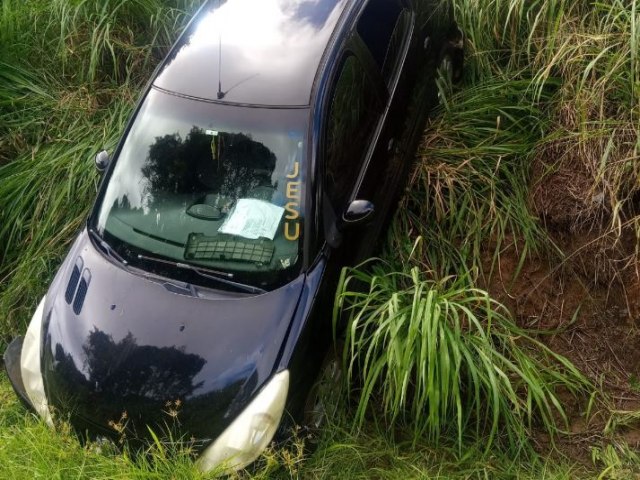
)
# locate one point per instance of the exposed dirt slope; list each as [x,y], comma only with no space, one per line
[588,297]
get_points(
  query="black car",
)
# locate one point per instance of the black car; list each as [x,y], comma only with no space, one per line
[202,285]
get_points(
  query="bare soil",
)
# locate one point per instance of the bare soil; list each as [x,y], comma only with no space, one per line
[588,296]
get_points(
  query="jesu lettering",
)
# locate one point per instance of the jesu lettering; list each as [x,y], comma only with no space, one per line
[292,208]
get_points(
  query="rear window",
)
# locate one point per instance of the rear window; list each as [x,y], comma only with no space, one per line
[376,27]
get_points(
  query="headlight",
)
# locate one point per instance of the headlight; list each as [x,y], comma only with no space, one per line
[244,440]
[30,365]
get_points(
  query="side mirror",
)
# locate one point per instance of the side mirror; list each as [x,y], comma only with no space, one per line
[358,212]
[102,161]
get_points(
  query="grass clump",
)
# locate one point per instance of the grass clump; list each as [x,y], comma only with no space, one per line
[470,187]
[30,449]
[618,460]
[443,357]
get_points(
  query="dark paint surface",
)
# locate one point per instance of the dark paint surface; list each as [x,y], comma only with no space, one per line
[260,53]
[135,346]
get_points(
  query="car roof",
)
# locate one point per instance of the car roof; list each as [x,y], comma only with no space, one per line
[252,52]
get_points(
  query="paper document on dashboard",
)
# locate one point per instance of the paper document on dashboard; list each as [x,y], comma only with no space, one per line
[251,218]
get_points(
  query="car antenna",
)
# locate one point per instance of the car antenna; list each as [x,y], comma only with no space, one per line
[221,94]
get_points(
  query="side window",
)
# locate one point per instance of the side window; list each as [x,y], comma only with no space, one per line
[396,49]
[377,25]
[353,115]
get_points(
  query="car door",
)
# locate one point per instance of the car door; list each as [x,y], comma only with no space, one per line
[358,125]
[354,111]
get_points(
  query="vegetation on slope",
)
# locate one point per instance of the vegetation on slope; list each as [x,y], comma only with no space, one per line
[527,188]
[447,359]
[70,72]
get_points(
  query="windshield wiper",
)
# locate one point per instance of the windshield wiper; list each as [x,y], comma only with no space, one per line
[185,287]
[222,277]
[108,249]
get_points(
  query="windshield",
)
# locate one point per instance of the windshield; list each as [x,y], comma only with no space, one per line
[215,186]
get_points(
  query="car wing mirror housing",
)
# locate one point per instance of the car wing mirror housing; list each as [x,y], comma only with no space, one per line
[359,212]
[102,161]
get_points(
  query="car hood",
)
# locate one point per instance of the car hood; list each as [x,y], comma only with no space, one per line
[130,352]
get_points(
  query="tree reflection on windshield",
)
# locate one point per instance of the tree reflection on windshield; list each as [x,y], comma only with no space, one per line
[183,170]
[229,164]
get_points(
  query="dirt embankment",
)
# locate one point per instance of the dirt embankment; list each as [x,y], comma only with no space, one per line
[588,294]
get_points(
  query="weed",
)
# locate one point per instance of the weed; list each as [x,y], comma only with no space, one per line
[444,357]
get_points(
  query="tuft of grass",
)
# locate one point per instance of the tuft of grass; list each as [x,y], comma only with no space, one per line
[616,461]
[31,450]
[469,190]
[443,357]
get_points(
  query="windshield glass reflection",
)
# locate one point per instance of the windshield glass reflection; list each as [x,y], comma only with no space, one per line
[215,186]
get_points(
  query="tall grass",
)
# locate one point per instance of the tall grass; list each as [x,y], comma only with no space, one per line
[596,119]
[551,88]
[586,54]
[83,41]
[470,188]
[446,359]
[46,195]
[70,72]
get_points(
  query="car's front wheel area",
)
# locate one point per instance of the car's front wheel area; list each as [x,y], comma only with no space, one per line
[11,360]
[22,363]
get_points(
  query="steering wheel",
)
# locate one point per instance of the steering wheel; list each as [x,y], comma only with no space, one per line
[262,192]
